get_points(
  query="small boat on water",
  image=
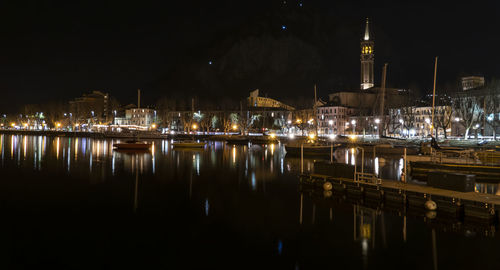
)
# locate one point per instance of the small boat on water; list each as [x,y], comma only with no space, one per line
[188,144]
[388,149]
[310,149]
[483,173]
[133,145]
[263,139]
[238,140]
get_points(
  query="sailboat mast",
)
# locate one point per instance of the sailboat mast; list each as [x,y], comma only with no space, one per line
[314,111]
[434,95]
[382,101]
[138,98]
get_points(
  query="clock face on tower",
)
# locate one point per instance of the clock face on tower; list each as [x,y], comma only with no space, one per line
[367,50]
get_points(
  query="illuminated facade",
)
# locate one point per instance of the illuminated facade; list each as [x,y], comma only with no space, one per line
[416,121]
[472,82]
[255,101]
[91,108]
[143,117]
[367,59]
[332,118]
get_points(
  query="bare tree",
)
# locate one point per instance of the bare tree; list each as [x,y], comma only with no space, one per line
[407,118]
[442,118]
[443,111]
[468,108]
[225,120]
[205,121]
[54,112]
[492,106]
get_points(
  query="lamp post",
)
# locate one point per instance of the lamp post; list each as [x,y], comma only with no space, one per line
[353,122]
[428,121]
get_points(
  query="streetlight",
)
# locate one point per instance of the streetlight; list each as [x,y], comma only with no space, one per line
[377,121]
[353,122]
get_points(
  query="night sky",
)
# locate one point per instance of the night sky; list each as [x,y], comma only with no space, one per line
[57,50]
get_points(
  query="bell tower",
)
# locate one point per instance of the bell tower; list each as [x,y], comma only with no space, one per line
[367,59]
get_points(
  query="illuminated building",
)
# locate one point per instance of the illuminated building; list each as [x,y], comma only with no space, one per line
[367,59]
[472,82]
[91,108]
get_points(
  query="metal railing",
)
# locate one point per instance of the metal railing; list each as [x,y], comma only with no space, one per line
[367,177]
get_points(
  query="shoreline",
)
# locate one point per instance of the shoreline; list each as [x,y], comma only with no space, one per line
[471,143]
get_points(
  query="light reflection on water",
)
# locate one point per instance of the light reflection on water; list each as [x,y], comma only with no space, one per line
[97,158]
[230,183]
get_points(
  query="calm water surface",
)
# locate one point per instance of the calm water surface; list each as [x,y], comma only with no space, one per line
[75,203]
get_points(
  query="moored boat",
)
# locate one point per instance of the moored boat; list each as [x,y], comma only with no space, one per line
[310,149]
[388,149]
[264,139]
[237,140]
[188,144]
[489,174]
[133,145]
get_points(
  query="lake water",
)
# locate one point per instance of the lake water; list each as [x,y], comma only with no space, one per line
[75,203]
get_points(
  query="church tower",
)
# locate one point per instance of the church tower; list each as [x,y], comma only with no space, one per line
[367,58]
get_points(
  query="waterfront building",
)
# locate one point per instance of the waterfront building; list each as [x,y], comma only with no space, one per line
[92,108]
[472,82]
[139,117]
[332,118]
[414,121]
[255,101]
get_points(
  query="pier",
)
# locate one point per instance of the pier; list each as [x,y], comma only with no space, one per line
[468,205]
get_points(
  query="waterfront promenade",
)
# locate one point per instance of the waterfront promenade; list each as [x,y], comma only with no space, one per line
[359,139]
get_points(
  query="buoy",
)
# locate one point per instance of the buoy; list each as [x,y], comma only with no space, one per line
[431,214]
[430,205]
[327,186]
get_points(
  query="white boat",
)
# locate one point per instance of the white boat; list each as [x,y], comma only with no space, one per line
[188,144]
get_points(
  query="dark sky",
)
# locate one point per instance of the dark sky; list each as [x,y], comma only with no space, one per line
[57,50]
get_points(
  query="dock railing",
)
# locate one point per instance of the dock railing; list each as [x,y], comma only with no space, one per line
[362,176]
[466,156]
[367,177]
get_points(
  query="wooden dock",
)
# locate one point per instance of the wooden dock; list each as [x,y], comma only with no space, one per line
[469,205]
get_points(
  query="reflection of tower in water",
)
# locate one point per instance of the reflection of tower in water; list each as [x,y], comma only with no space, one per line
[364,221]
[135,167]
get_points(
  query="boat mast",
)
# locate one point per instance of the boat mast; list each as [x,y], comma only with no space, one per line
[314,112]
[382,102]
[434,96]
[138,98]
